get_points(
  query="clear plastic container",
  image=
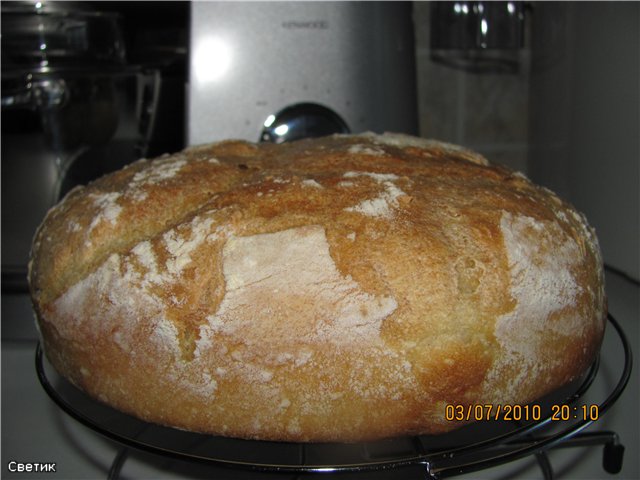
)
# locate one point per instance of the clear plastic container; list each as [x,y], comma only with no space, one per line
[72,110]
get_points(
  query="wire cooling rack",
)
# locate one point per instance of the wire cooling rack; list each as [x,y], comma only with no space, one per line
[471,448]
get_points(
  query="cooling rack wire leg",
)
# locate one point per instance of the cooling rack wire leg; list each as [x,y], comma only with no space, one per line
[612,456]
[428,474]
[118,462]
[545,465]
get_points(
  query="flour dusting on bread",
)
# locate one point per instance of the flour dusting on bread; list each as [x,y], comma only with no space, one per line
[161,169]
[308,299]
[108,209]
[536,274]
[383,204]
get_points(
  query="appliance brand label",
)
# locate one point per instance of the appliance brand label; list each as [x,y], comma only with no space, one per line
[306,24]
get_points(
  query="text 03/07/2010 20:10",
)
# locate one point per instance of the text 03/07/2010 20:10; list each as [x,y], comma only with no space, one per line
[507,412]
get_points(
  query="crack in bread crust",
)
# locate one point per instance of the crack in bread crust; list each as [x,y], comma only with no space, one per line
[337,289]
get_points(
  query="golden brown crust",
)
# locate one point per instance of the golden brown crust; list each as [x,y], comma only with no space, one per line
[343,288]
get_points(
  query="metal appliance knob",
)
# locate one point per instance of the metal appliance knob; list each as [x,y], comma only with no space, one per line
[302,120]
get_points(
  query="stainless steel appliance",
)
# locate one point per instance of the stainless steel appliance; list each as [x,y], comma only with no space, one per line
[278,71]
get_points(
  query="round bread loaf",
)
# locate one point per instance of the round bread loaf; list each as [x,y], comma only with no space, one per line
[337,289]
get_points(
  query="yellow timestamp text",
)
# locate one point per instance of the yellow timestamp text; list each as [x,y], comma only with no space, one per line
[508,412]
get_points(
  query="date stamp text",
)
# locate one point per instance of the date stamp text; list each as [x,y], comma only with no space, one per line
[525,413]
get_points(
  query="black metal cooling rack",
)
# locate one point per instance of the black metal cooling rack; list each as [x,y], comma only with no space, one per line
[472,448]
